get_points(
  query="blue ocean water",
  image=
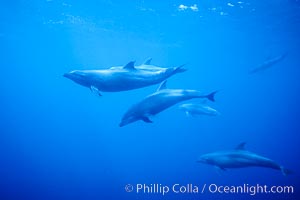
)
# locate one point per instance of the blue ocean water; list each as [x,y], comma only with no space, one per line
[60,141]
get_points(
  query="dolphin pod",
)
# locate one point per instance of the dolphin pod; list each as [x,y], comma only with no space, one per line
[123,78]
[129,77]
[240,158]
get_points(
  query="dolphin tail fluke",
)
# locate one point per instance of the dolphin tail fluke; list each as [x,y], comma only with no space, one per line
[179,69]
[211,96]
[285,171]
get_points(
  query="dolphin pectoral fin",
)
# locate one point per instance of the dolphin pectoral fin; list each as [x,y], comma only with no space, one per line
[219,169]
[241,146]
[130,66]
[285,171]
[95,90]
[146,119]
[148,61]
[187,113]
[162,86]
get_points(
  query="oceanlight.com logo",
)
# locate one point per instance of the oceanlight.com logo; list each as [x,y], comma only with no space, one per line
[207,188]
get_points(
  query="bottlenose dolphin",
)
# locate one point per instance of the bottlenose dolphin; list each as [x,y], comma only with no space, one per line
[268,64]
[128,77]
[198,109]
[160,100]
[238,158]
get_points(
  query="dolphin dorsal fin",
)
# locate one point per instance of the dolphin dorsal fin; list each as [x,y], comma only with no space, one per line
[129,65]
[148,61]
[162,86]
[241,146]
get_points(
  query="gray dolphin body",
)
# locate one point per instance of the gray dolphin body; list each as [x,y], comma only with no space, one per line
[268,64]
[198,109]
[155,103]
[239,158]
[129,77]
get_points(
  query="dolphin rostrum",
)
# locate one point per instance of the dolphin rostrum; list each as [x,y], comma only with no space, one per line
[128,77]
[268,64]
[160,100]
[192,109]
[239,158]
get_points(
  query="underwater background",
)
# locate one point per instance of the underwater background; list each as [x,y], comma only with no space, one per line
[60,141]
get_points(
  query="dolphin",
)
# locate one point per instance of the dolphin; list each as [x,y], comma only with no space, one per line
[239,158]
[160,100]
[268,64]
[198,109]
[128,77]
